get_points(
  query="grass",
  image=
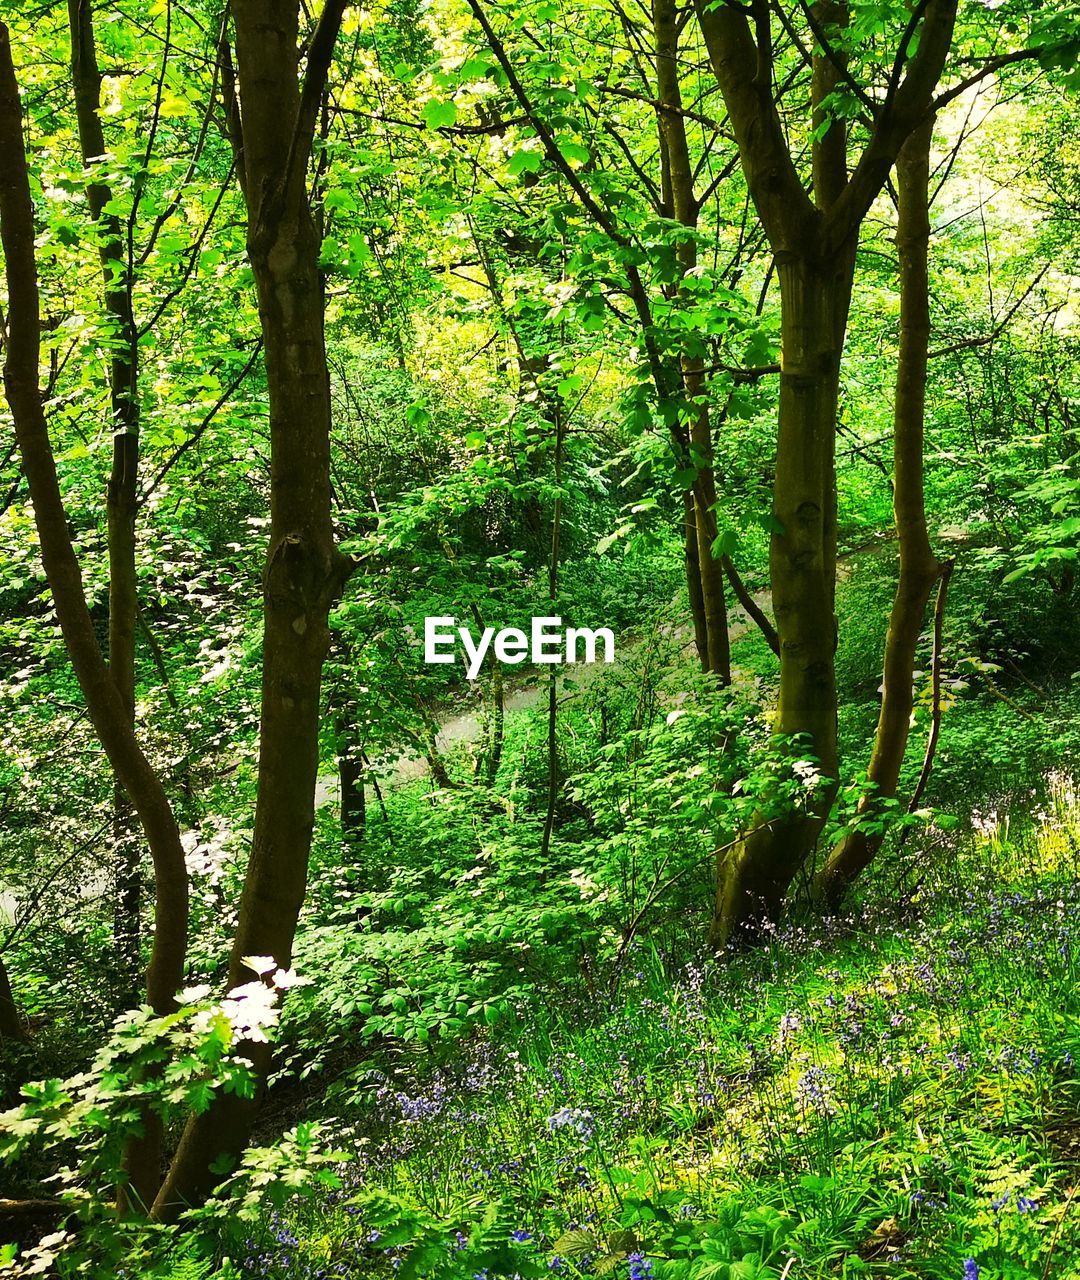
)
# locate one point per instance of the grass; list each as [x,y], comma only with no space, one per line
[893,1094]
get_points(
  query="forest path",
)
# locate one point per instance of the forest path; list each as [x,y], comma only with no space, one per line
[467,726]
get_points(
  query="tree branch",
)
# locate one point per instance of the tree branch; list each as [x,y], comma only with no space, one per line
[911,102]
[777,191]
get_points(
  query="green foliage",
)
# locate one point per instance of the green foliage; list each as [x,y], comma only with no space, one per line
[514,1064]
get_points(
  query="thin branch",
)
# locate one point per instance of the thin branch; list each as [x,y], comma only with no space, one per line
[989,67]
[196,435]
[320,54]
[935,685]
[189,267]
[750,605]
[968,344]
[686,112]
[837,62]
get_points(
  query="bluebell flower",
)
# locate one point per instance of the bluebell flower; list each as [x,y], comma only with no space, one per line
[1026,1205]
[971,1269]
[521,1235]
[640,1267]
[577,1119]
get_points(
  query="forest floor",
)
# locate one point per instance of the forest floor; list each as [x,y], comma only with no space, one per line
[891,1094]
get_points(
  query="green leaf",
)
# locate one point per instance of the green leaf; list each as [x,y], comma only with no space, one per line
[574,152]
[339,199]
[525,162]
[440,115]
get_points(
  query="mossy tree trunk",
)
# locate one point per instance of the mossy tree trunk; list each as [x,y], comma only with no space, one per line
[755,877]
[919,568]
[814,237]
[304,571]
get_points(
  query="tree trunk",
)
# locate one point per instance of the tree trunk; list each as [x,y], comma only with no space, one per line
[814,241]
[919,568]
[107,710]
[353,802]
[754,878]
[679,183]
[717,640]
[496,727]
[142,1160]
[121,495]
[12,1026]
[693,580]
[304,570]
[553,686]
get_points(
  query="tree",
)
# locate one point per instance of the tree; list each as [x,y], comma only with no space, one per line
[124,407]
[814,239]
[304,570]
[652,277]
[919,567]
[104,701]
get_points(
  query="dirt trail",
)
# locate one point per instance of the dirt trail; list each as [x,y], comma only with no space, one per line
[465,727]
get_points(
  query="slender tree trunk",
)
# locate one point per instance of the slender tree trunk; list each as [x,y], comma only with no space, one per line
[679,184]
[553,595]
[436,763]
[944,578]
[12,1026]
[142,1160]
[304,570]
[496,729]
[495,717]
[105,705]
[755,875]
[351,784]
[121,495]
[718,642]
[919,568]
[693,580]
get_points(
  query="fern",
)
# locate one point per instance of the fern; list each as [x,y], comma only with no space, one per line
[184,1263]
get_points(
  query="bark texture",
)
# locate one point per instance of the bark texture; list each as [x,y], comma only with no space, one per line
[304,571]
[919,568]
